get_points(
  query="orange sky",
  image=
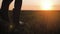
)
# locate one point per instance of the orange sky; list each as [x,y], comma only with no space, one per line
[33,4]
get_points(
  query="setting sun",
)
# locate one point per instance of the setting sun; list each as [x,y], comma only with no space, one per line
[37,5]
[46,5]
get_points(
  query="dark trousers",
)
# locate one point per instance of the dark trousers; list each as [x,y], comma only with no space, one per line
[4,9]
[16,11]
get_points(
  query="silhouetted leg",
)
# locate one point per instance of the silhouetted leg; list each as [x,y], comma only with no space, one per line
[4,9]
[16,12]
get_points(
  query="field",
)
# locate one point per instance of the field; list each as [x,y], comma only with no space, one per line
[41,22]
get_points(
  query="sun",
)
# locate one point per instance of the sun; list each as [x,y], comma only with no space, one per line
[46,5]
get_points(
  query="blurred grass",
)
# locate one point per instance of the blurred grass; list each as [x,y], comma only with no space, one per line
[32,25]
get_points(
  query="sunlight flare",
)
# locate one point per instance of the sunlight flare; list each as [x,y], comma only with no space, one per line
[46,5]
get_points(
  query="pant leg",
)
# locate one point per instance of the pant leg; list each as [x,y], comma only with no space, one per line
[4,9]
[18,4]
[16,12]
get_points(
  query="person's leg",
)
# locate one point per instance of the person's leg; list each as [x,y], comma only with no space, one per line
[16,12]
[4,9]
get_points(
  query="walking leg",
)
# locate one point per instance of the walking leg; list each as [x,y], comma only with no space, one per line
[4,9]
[16,12]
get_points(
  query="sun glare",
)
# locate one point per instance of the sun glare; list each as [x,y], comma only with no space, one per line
[46,5]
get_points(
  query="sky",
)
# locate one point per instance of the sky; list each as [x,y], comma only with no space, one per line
[34,4]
